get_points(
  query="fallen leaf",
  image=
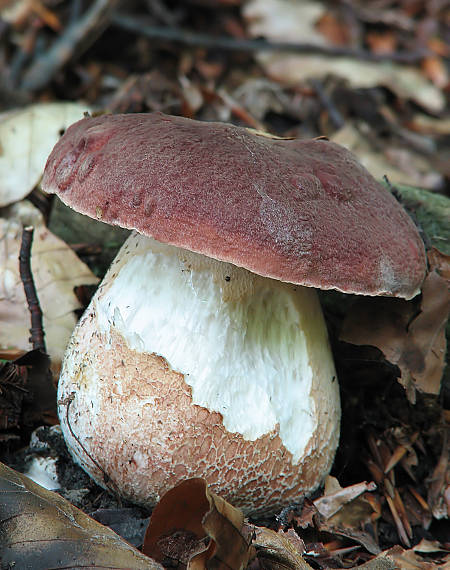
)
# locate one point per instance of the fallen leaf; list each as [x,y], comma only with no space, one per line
[396,18]
[27,136]
[405,81]
[27,392]
[333,501]
[397,558]
[191,525]
[429,125]
[346,511]
[428,546]
[439,487]
[192,97]
[56,271]
[261,96]
[15,11]
[405,168]
[309,516]
[285,20]
[13,379]
[427,336]
[334,30]
[382,42]
[292,21]
[435,69]
[279,550]
[415,343]
[440,262]
[40,530]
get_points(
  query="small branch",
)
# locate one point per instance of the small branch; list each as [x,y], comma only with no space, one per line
[37,331]
[76,38]
[335,116]
[108,482]
[194,39]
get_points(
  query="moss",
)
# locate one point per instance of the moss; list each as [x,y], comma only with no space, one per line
[431,211]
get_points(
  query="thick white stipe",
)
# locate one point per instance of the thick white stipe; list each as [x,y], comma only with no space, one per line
[247,345]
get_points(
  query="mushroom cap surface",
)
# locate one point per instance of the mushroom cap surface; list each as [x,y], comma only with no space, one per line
[300,211]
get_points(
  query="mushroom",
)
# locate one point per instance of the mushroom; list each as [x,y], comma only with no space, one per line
[204,352]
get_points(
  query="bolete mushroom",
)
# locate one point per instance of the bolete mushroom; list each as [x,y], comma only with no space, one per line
[203,353]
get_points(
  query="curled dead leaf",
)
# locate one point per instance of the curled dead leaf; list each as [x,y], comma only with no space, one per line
[346,510]
[279,550]
[194,527]
[336,498]
[414,342]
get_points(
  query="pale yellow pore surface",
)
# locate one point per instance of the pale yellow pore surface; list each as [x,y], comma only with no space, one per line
[252,353]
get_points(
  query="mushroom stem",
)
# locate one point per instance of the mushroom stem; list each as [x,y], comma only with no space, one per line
[206,370]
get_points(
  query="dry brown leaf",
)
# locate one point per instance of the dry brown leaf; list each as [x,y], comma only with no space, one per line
[261,96]
[435,69]
[27,392]
[429,546]
[194,527]
[399,17]
[382,42]
[40,530]
[336,31]
[345,511]
[192,96]
[397,558]
[401,166]
[26,138]
[309,516]
[416,344]
[439,261]
[439,484]
[429,125]
[279,550]
[335,497]
[406,82]
[427,334]
[293,21]
[56,271]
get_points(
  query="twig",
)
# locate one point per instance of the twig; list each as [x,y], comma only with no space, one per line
[335,116]
[194,39]
[108,482]
[37,331]
[76,38]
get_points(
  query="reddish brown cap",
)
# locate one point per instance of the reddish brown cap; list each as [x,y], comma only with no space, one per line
[302,211]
